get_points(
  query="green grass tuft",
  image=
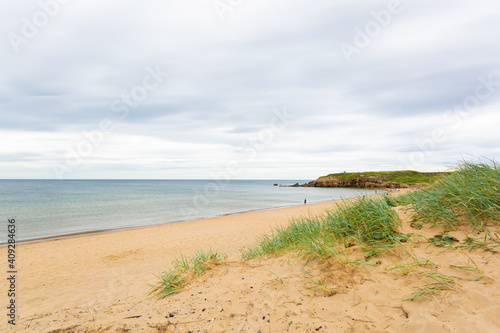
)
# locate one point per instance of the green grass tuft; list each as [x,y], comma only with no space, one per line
[367,221]
[184,270]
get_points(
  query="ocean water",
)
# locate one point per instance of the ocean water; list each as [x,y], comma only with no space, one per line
[53,208]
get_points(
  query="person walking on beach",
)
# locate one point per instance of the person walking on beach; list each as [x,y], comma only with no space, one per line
[305,201]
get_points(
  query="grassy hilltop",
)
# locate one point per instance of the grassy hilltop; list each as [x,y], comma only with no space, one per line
[377,179]
[406,176]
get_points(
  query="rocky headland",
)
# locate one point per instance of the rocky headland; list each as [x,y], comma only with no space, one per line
[375,180]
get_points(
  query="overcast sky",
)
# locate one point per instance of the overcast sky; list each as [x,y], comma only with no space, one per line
[250,89]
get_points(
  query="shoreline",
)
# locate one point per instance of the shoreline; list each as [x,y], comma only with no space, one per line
[105,231]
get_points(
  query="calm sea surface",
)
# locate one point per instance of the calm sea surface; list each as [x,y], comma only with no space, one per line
[53,208]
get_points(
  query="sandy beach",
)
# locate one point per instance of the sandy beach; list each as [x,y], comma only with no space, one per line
[100,283]
[97,270]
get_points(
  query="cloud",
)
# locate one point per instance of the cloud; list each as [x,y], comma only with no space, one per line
[226,79]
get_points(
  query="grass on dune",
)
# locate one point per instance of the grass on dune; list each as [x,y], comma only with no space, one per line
[366,221]
[285,238]
[470,195]
[184,269]
[489,242]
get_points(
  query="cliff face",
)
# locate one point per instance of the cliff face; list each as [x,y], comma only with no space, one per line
[373,182]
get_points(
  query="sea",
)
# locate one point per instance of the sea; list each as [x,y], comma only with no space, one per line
[45,209]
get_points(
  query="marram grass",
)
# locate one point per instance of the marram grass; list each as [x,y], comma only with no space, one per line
[184,270]
[469,195]
[366,221]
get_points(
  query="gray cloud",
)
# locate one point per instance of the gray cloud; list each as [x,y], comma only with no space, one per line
[226,78]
